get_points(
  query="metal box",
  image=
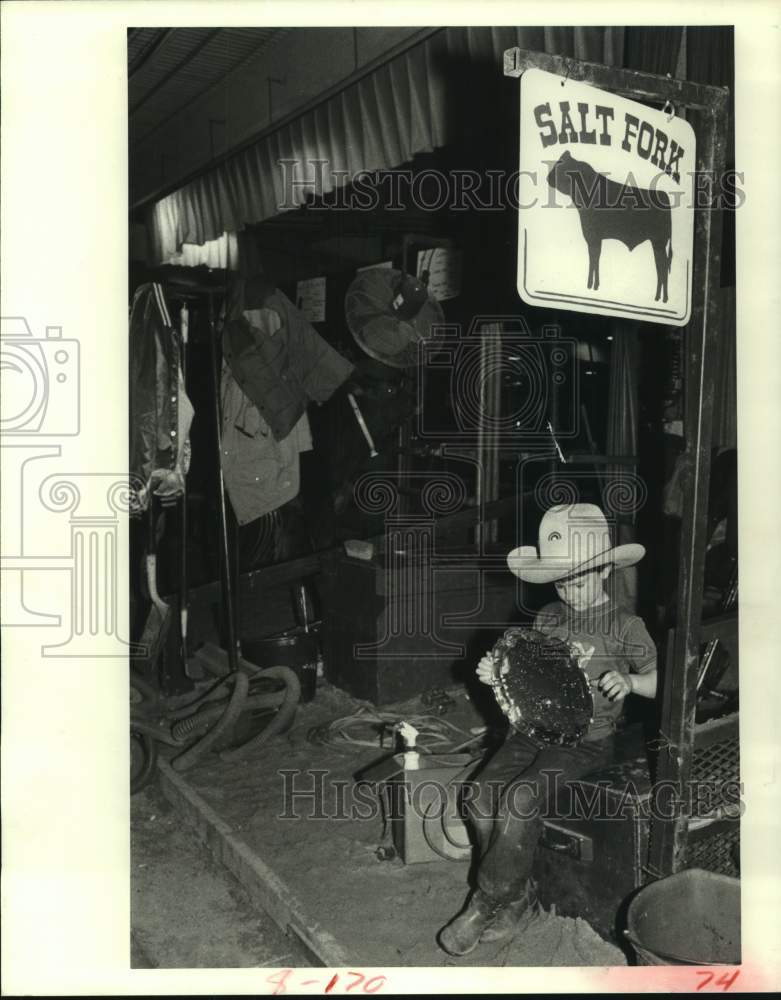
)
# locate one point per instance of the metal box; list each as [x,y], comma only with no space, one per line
[421,806]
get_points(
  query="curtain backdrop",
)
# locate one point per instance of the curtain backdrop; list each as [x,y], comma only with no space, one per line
[221,253]
[381,121]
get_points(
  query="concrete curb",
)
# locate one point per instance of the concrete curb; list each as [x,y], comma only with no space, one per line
[264,887]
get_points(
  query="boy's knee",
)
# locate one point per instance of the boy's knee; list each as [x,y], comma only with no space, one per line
[479,800]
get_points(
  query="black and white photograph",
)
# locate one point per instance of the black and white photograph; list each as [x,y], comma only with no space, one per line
[437,589]
[416,569]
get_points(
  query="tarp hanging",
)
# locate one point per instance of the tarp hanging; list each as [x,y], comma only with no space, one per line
[378,122]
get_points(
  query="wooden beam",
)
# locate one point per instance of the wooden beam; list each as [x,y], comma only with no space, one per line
[668,836]
[634,84]
[278,574]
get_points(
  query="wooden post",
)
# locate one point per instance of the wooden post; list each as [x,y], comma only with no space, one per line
[668,837]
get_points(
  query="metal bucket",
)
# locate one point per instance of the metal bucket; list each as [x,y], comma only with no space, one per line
[690,918]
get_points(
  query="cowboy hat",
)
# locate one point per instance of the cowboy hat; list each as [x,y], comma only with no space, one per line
[573,538]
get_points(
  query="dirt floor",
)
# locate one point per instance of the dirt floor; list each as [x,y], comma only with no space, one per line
[187,911]
[291,803]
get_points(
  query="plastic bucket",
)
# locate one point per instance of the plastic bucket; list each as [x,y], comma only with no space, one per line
[690,918]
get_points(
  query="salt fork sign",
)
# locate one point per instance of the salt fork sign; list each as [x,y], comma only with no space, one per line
[606,203]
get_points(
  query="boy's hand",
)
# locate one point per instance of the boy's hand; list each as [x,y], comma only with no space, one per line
[486,671]
[614,685]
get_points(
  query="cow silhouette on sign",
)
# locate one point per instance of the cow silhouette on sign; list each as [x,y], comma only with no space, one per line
[611,211]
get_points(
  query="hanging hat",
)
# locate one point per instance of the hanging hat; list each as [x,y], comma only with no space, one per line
[573,538]
[389,313]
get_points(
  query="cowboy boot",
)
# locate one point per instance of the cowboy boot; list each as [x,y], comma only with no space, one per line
[508,918]
[462,934]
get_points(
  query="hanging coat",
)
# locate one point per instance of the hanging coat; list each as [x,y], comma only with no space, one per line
[160,412]
[280,362]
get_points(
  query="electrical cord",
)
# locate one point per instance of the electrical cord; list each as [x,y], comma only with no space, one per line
[434,732]
[459,853]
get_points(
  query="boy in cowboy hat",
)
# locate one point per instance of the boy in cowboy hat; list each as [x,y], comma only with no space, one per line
[575,554]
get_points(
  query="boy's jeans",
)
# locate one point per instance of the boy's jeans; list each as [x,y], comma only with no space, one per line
[511,800]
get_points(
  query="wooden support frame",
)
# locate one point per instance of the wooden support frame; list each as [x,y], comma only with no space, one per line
[678,690]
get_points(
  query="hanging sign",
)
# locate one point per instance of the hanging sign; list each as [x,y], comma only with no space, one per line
[606,203]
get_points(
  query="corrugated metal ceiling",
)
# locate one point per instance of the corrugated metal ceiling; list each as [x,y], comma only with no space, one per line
[168,68]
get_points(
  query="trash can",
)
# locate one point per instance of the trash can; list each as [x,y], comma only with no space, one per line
[690,918]
[294,648]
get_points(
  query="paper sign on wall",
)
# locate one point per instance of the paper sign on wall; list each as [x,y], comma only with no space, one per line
[310,299]
[606,203]
[444,268]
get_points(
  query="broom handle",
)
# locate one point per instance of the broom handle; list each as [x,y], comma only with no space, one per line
[227,589]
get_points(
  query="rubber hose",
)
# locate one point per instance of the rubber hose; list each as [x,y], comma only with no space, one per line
[149,750]
[150,695]
[195,722]
[227,721]
[150,728]
[213,694]
[286,712]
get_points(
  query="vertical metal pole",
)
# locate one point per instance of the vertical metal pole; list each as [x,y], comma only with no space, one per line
[481,451]
[184,320]
[488,435]
[227,583]
[669,827]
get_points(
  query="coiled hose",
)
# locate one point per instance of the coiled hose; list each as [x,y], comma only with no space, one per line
[227,720]
[144,698]
[227,716]
[281,719]
[146,746]
[202,719]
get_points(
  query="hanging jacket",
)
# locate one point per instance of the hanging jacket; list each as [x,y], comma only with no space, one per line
[276,356]
[160,412]
[261,473]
